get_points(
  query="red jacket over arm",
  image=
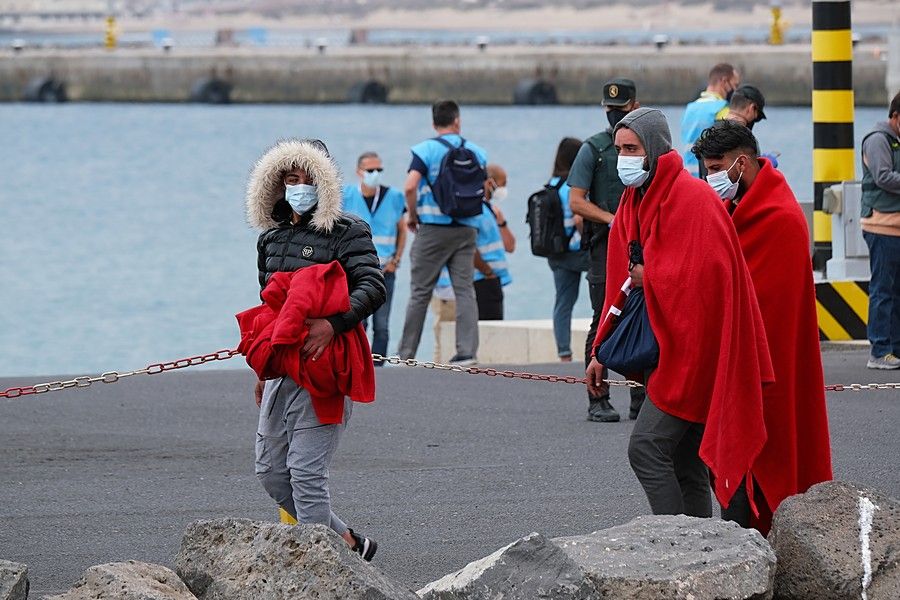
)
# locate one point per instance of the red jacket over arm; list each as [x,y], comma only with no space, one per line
[273,334]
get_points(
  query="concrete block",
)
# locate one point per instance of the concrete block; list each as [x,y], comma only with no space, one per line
[518,342]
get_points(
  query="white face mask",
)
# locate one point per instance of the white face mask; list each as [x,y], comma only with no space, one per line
[371,179]
[721,183]
[499,194]
[631,170]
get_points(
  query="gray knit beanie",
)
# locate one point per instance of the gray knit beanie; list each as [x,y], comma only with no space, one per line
[652,128]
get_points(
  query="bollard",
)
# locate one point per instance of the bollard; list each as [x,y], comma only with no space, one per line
[110,38]
[832,110]
[776,32]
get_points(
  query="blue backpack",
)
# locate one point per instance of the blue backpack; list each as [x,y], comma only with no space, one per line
[459,186]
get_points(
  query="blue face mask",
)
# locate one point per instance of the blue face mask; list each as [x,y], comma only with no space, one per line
[301,197]
[372,179]
[631,170]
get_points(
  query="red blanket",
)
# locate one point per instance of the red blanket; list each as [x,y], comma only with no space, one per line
[775,240]
[713,355]
[273,334]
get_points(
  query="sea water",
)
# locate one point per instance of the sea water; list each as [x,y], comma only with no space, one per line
[124,240]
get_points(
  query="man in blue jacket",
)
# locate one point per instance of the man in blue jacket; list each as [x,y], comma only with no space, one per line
[711,106]
[382,208]
[441,240]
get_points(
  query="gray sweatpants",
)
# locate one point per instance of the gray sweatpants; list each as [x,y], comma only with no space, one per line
[434,247]
[664,452]
[293,451]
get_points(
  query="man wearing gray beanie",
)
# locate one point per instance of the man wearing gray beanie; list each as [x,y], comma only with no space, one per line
[673,238]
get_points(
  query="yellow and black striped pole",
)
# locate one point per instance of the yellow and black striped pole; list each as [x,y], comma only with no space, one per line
[832,110]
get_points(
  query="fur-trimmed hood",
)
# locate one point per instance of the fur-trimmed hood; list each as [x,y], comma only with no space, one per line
[266,187]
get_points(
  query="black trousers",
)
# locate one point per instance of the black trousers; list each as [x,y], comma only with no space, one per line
[664,452]
[489,297]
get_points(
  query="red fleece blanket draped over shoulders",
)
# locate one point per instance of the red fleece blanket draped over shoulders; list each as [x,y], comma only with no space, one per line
[775,241]
[713,357]
[272,336]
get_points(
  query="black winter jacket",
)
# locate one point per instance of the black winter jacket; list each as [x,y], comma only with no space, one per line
[290,247]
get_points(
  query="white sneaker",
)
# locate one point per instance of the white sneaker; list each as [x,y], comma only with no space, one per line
[886,362]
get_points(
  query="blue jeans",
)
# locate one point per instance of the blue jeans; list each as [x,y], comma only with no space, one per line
[567,271]
[381,319]
[884,293]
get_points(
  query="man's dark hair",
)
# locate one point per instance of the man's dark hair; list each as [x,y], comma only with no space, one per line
[740,101]
[364,156]
[895,106]
[723,137]
[444,112]
[565,156]
[720,71]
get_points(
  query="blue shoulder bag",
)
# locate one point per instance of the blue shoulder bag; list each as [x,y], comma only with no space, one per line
[631,347]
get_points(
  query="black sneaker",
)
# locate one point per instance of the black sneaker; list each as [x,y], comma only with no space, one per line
[364,546]
[463,361]
[602,411]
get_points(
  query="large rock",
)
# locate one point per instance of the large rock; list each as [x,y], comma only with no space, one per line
[837,541]
[238,559]
[532,567]
[675,557]
[130,580]
[13,581]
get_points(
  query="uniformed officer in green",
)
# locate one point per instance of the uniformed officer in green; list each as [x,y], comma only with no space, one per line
[595,193]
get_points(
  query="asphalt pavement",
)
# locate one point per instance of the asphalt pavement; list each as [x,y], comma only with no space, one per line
[442,469]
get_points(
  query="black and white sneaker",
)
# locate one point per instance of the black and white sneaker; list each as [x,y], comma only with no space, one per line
[365,547]
[463,361]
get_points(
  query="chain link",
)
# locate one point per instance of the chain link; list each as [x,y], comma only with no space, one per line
[156,368]
[568,379]
[859,387]
[115,376]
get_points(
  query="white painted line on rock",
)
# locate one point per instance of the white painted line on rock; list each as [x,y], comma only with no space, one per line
[866,515]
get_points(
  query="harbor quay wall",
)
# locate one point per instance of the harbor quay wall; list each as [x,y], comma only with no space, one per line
[495,75]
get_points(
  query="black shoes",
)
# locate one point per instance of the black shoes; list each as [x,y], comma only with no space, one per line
[602,411]
[365,547]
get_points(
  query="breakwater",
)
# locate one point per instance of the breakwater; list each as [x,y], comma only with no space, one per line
[493,75]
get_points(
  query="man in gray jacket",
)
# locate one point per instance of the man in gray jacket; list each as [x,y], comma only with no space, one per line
[881,230]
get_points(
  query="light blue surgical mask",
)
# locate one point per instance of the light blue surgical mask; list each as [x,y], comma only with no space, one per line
[371,179]
[721,182]
[301,197]
[631,170]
